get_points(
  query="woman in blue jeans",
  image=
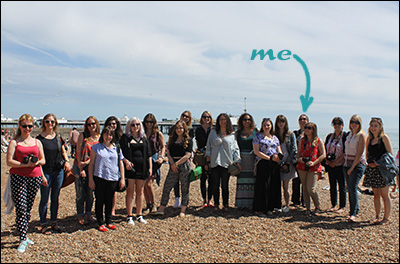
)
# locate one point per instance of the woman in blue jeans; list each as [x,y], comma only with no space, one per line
[54,152]
[354,163]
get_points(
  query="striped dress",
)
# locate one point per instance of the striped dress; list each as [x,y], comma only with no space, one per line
[246,179]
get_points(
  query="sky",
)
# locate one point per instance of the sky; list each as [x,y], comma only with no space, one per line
[77,59]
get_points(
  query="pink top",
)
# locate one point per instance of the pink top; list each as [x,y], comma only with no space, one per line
[20,153]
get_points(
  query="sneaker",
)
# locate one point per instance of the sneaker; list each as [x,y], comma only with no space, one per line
[130,221]
[22,246]
[157,213]
[141,220]
[285,209]
[182,215]
[30,242]
[177,202]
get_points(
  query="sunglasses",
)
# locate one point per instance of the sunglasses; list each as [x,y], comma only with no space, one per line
[308,127]
[137,124]
[27,126]
[91,124]
[303,119]
[376,118]
[206,117]
[337,123]
[185,116]
[149,122]
[246,119]
[49,121]
[113,124]
[354,122]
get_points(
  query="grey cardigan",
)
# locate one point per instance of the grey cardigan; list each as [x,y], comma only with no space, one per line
[219,148]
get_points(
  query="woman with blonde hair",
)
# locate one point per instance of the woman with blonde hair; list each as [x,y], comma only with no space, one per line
[378,144]
[56,155]
[84,194]
[310,154]
[136,149]
[25,156]
[354,163]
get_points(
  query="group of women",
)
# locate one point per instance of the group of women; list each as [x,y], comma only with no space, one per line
[114,160]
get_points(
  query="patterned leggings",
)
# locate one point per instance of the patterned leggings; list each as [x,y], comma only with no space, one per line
[23,191]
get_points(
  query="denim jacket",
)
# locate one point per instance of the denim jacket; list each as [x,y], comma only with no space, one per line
[387,167]
[291,146]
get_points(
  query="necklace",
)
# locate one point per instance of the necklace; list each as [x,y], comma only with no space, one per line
[24,140]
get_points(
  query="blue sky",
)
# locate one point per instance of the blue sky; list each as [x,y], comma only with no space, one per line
[76,59]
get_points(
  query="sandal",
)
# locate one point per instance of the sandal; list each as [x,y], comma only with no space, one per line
[82,221]
[56,228]
[45,230]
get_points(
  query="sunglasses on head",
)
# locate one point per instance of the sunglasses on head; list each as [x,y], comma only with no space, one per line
[354,122]
[308,127]
[49,121]
[27,126]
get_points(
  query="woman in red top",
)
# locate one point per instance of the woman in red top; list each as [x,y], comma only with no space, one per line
[310,153]
[25,156]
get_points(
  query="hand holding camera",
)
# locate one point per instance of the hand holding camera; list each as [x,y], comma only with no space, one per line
[306,161]
[30,158]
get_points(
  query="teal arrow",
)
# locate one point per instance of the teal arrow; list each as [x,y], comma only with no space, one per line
[306,100]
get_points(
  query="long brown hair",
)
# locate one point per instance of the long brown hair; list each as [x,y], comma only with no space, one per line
[381,132]
[155,129]
[314,133]
[277,132]
[229,127]
[185,136]
[86,132]
[55,127]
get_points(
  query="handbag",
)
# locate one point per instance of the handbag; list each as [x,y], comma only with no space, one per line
[69,178]
[195,174]
[233,168]
[200,157]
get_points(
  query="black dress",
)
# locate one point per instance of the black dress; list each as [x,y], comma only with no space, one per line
[138,153]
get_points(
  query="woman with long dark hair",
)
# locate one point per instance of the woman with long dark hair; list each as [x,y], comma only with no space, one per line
[267,193]
[246,179]
[157,146]
[222,150]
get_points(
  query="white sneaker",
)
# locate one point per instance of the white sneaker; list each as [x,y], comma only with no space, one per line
[141,220]
[285,209]
[22,246]
[130,221]
[30,242]
[177,202]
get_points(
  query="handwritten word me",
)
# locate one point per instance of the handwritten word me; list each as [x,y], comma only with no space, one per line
[270,54]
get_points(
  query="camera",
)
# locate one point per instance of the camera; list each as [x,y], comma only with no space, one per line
[284,167]
[305,160]
[331,157]
[31,157]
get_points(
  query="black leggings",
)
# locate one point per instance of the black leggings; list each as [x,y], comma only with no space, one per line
[104,193]
[220,177]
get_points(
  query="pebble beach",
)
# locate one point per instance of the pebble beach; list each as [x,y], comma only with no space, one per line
[206,236]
